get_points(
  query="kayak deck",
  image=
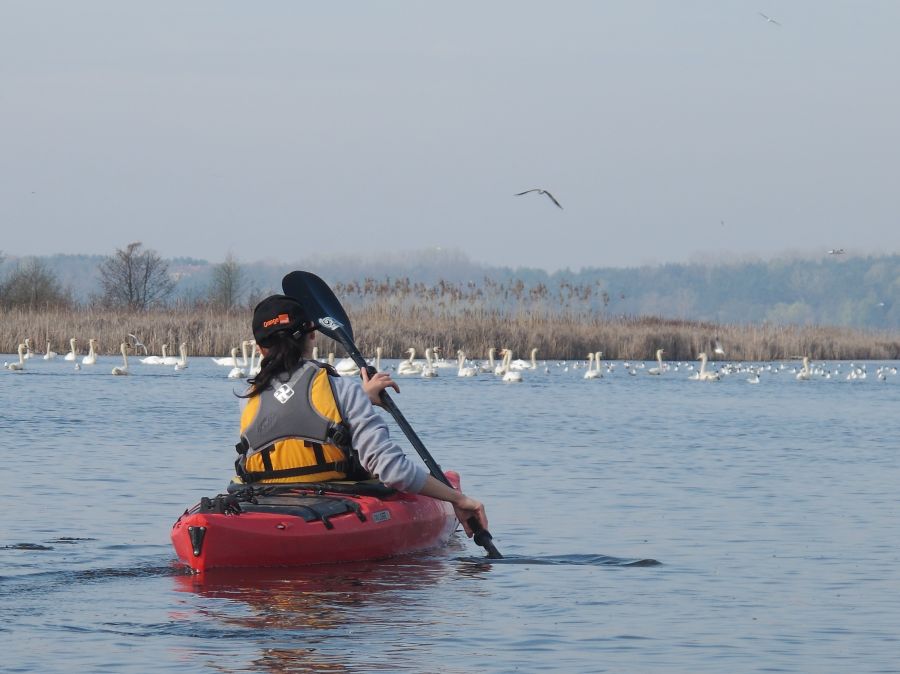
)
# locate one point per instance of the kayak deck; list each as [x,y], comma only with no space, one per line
[302,524]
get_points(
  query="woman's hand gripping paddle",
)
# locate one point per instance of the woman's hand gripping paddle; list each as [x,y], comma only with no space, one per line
[326,311]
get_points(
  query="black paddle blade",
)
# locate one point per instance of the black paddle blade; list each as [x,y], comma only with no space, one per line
[320,302]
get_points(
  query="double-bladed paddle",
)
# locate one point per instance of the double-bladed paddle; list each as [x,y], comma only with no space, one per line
[324,308]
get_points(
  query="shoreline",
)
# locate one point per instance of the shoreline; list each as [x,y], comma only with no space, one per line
[556,335]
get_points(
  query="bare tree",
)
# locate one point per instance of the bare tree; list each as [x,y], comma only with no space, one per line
[33,284]
[227,284]
[135,278]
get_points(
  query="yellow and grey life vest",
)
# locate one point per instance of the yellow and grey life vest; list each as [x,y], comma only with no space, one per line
[293,431]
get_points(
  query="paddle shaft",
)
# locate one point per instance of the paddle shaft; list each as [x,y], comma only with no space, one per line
[481,536]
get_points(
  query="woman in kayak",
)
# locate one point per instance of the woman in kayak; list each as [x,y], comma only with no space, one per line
[301,422]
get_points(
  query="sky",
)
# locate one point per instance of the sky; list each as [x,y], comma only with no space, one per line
[689,131]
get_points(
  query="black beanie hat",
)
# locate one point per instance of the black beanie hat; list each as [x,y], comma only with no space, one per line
[278,313]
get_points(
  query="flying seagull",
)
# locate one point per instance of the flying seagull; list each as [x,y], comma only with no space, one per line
[138,344]
[718,349]
[836,251]
[540,191]
[768,19]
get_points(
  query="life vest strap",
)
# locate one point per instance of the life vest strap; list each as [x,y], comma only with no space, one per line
[270,474]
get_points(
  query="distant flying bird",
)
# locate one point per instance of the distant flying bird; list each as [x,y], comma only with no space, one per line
[540,191]
[137,344]
[718,349]
[836,251]
[769,19]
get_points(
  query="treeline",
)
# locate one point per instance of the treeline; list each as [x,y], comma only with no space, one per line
[132,278]
[842,290]
[397,326]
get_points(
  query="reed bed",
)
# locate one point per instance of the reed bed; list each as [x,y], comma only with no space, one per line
[398,326]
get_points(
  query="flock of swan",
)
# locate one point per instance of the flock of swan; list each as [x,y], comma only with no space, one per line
[435,364]
[25,353]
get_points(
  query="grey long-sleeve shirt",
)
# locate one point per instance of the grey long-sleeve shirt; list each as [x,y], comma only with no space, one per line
[378,454]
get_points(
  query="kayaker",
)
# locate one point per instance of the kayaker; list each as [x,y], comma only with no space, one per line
[301,422]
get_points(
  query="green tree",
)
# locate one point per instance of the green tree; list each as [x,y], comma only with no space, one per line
[135,278]
[33,284]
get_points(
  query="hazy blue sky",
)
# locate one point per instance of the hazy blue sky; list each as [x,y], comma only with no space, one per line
[276,129]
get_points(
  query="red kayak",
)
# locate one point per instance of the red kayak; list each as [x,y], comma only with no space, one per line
[299,524]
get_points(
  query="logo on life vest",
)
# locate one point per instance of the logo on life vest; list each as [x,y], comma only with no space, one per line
[283,393]
[381,516]
[329,323]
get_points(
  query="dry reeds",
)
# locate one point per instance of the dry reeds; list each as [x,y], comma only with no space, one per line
[398,325]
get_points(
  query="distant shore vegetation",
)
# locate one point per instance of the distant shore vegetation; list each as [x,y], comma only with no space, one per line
[208,331]
[565,319]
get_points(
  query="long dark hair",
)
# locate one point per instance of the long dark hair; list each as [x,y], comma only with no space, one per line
[285,356]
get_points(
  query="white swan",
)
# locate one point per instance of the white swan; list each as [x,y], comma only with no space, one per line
[166,359]
[463,370]
[346,367]
[753,379]
[439,360]
[661,368]
[409,366]
[153,360]
[702,374]
[182,362]
[49,355]
[377,363]
[804,374]
[509,375]
[91,357]
[255,364]
[524,364]
[235,372]
[28,352]
[591,372]
[124,369]
[21,364]
[488,365]
[500,368]
[71,355]
[230,360]
[429,370]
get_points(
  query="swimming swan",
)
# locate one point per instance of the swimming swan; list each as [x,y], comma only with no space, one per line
[230,360]
[509,375]
[21,364]
[591,372]
[168,360]
[346,367]
[71,355]
[702,374]
[124,369]
[409,366]
[91,357]
[661,368]
[524,364]
[235,372]
[804,374]
[429,370]
[182,362]
[463,370]
[50,355]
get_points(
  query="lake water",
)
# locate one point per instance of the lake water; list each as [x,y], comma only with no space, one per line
[772,510]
